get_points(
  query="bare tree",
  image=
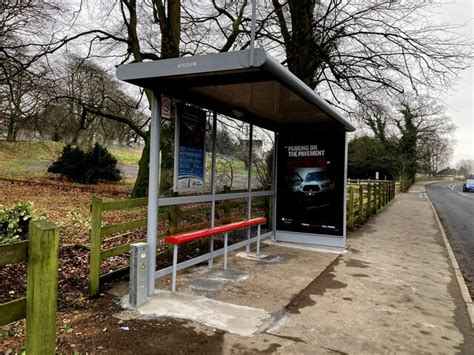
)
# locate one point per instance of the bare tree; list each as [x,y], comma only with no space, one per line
[153,30]
[408,127]
[27,34]
[359,47]
[87,88]
[434,153]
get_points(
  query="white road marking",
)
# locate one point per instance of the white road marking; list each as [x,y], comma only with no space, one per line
[453,186]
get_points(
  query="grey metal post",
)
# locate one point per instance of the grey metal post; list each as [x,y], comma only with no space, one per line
[175,267]
[211,252]
[249,181]
[274,178]
[213,184]
[258,240]
[213,168]
[153,191]
[226,240]
[138,274]
[344,219]
[252,32]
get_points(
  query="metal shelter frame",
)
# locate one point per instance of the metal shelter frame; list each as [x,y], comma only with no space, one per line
[246,85]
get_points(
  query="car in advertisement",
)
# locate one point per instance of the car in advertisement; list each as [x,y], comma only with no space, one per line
[316,182]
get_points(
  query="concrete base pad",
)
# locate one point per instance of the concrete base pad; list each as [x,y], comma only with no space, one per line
[241,320]
[269,286]
[249,298]
[213,280]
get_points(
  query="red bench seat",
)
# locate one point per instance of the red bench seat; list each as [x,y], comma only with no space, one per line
[176,240]
[190,236]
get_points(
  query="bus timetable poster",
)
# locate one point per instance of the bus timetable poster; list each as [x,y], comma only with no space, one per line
[190,156]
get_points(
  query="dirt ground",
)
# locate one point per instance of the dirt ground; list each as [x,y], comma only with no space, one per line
[67,205]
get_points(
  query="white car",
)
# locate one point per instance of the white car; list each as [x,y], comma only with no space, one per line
[316,182]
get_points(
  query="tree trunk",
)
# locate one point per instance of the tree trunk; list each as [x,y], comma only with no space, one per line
[301,52]
[11,130]
[140,188]
[170,25]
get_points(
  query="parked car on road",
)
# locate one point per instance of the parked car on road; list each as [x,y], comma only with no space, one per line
[468,185]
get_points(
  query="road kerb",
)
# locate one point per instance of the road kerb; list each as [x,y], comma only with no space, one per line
[457,271]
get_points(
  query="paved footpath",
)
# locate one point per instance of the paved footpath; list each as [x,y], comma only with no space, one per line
[394,291]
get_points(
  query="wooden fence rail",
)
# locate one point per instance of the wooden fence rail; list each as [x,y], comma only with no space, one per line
[39,306]
[366,198]
[171,215]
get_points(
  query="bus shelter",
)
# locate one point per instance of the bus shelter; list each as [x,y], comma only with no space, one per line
[308,191]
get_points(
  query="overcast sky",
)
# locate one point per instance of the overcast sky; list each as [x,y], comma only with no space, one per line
[459,100]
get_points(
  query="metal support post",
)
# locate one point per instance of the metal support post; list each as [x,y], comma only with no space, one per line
[344,219]
[258,240]
[226,240]
[175,267]
[274,178]
[211,252]
[213,185]
[153,191]
[249,182]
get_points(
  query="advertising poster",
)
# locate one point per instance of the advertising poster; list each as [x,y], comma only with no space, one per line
[190,155]
[311,182]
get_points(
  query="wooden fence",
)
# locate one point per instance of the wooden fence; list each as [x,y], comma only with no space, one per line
[39,306]
[170,215]
[366,198]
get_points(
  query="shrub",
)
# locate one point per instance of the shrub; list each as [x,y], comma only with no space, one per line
[70,164]
[101,165]
[14,222]
[89,167]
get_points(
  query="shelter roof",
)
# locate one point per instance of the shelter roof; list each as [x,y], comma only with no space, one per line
[265,93]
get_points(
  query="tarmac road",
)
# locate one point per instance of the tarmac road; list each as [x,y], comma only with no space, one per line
[456,211]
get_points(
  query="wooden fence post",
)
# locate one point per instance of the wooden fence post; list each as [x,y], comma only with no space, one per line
[350,223]
[377,202]
[383,193]
[369,202]
[42,285]
[361,204]
[95,248]
[376,197]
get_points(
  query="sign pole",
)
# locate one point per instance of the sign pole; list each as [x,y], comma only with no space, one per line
[252,33]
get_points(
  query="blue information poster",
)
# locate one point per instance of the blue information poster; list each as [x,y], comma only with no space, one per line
[190,155]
